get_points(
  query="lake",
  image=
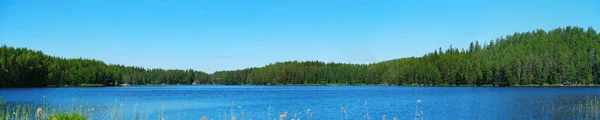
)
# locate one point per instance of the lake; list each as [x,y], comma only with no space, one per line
[325,102]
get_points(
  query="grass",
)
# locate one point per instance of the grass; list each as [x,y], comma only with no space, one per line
[2,102]
[589,108]
[30,112]
[66,116]
[20,112]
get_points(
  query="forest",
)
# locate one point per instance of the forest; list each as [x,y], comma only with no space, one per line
[21,67]
[566,55]
[561,56]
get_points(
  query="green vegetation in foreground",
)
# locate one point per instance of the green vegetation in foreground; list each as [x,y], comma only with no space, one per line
[29,112]
[2,102]
[66,116]
[563,56]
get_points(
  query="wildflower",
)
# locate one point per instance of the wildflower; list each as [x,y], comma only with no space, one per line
[416,108]
[38,112]
[282,116]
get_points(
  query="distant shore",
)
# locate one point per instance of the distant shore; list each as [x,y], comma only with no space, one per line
[408,85]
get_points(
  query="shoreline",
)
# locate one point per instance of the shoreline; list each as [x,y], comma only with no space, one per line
[408,85]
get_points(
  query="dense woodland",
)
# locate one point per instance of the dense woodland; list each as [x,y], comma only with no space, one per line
[20,67]
[561,56]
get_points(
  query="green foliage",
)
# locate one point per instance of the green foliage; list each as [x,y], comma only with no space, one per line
[18,112]
[561,56]
[567,55]
[21,67]
[66,116]
[2,102]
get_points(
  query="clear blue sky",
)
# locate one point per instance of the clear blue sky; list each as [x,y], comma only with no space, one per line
[235,34]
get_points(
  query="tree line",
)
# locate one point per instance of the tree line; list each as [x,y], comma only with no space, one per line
[561,56]
[566,55]
[21,67]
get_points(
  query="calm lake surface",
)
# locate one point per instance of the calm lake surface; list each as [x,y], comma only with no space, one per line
[325,102]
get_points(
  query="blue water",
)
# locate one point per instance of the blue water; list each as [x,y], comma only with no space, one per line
[325,102]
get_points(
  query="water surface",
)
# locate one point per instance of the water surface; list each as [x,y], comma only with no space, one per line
[325,102]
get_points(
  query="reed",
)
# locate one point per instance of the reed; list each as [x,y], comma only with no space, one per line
[43,101]
[241,112]
[163,111]
[268,113]
[343,113]
[308,114]
[135,114]
[296,116]
[367,110]
[121,111]
[29,112]
[416,109]
[587,108]
[231,108]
